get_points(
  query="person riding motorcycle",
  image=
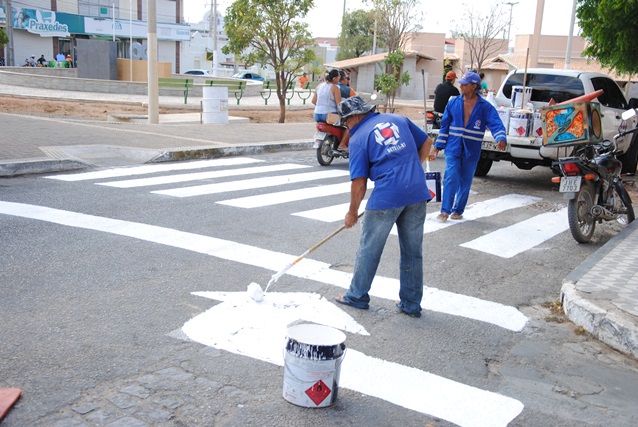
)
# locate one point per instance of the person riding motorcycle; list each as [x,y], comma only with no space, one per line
[326,97]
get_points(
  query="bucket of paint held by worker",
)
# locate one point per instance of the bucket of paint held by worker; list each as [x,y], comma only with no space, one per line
[312,364]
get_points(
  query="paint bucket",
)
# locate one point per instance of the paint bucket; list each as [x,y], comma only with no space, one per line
[537,126]
[312,364]
[517,96]
[520,122]
[215,105]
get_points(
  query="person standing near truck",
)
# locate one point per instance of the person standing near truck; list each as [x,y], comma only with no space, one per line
[444,91]
[461,136]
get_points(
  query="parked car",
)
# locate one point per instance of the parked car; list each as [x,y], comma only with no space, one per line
[560,85]
[198,72]
[247,75]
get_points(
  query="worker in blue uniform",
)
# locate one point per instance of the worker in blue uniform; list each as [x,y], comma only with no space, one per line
[463,126]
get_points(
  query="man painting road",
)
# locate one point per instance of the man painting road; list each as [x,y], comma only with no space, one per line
[387,149]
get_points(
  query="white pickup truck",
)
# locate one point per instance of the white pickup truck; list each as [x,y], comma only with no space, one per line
[560,85]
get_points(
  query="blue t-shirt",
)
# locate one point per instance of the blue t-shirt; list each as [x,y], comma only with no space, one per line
[384,148]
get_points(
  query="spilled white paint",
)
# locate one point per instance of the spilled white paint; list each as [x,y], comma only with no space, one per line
[173,179]
[383,287]
[249,184]
[148,169]
[258,330]
[522,236]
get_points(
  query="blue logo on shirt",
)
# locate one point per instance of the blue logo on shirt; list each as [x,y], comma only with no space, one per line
[477,125]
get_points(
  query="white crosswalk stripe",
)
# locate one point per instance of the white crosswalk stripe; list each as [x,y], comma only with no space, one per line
[506,242]
[249,184]
[173,179]
[522,236]
[147,169]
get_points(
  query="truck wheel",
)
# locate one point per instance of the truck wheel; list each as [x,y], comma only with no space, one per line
[483,167]
[630,158]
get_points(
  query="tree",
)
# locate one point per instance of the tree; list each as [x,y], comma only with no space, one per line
[392,79]
[610,28]
[396,20]
[269,32]
[357,34]
[4,39]
[480,32]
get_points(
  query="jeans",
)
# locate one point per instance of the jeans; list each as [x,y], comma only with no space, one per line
[457,180]
[377,225]
[320,117]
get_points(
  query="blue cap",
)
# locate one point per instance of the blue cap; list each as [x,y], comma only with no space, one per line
[471,78]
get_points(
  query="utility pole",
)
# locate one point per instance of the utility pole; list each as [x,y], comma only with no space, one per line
[10,57]
[215,56]
[536,38]
[153,84]
[568,54]
[509,27]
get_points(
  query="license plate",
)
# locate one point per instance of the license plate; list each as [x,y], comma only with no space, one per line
[429,127]
[569,184]
[490,146]
[320,136]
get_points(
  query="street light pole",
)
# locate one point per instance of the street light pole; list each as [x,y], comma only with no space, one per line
[509,27]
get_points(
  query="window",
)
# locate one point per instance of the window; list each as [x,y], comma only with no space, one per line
[613,96]
[546,87]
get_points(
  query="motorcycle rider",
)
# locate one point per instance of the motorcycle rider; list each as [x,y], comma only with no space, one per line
[346,92]
[444,91]
[327,96]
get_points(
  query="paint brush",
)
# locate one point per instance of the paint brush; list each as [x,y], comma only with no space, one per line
[277,275]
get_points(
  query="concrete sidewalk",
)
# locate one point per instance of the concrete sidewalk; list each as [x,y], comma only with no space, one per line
[601,295]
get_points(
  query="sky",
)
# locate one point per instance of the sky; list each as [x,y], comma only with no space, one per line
[325,18]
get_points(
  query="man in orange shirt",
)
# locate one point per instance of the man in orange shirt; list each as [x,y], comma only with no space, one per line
[303,80]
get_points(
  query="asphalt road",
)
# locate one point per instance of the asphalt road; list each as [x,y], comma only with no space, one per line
[93,306]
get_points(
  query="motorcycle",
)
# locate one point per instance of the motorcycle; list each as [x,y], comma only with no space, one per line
[327,139]
[433,119]
[591,181]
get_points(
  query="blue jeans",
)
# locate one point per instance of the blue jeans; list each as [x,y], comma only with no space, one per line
[377,225]
[457,180]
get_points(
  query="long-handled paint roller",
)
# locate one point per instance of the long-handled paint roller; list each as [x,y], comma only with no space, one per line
[254,289]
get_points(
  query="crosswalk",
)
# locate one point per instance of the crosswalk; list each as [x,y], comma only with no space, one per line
[229,179]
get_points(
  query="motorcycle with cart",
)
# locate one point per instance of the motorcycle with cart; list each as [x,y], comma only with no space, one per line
[591,180]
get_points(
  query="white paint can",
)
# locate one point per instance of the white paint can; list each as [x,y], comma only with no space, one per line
[312,364]
[518,101]
[520,122]
[215,104]
[537,126]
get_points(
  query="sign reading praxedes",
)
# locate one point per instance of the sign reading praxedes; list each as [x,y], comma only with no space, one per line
[45,25]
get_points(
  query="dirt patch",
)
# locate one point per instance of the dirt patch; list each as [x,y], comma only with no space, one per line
[101,110]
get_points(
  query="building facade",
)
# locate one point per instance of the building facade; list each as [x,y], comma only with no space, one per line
[49,27]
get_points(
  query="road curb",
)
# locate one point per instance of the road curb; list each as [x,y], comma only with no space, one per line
[613,327]
[36,166]
[600,317]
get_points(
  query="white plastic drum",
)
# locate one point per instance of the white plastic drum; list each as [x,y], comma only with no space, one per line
[215,105]
[312,364]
